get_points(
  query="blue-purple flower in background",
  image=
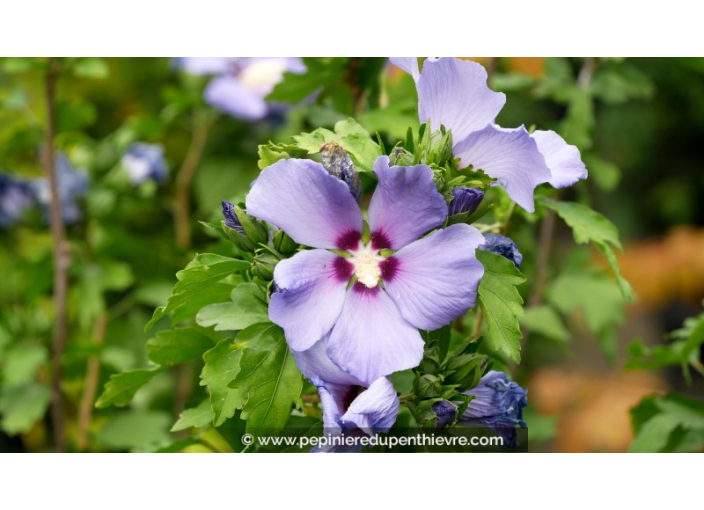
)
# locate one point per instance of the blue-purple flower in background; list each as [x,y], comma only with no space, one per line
[145,161]
[498,404]
[454,93]
[15,199]
[241,84]
[72,185]
[370,331]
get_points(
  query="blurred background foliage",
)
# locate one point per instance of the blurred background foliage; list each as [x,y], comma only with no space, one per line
[600,376]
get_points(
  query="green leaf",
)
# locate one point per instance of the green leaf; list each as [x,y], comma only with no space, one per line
[121,388]
[320,73]
[349,134]
[245,308]
[13,65]
[596,296]
[501,303]
[590,226]
[545,321]
[214,230]
[619,82]
[578,125]
[218,293]
[540,427]
[21,362]
[587,224]
[91,67]
[176,346]
[623,285]
[606,174]
[139,430]
[196,417]
[221,367]
[268,156]
[204,271]
[654,434]
[22,406]
[688,412]
[270,382]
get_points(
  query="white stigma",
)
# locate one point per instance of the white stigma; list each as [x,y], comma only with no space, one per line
[366,267]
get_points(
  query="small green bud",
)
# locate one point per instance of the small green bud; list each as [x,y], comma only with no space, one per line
[264,264]
[254,229]
[431,361]
[429,386]
[284,244]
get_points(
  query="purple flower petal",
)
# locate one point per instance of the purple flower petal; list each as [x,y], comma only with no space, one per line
[331,406]
[375,409]
[434,280]
[563,160]
[311,294]
[408,64]
[509,155]
[454,93]
[405,205]
[317,366]
[226,93]
[206,65]
[371,339]
[310,205]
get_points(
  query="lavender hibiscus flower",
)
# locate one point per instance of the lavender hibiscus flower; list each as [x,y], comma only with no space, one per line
[454,93]
[367,331]
[350,407]
[241,83]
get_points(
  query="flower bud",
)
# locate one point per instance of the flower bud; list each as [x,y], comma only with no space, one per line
[498,404]
[429,386]
[284,244]
[503,246]
[401,157]
[247,232]
[446,413]
[228,211]
[264,264]
[465,200]
[338,163]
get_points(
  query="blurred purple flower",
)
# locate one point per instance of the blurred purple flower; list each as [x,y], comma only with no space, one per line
[144,161]
[498,404]
[370,331]
[72,185]
[454,93]
[15,198]
[241,84]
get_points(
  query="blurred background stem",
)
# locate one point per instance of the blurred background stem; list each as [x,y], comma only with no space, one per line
[182,217]
[61,257]
[182,209]
[85,410]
